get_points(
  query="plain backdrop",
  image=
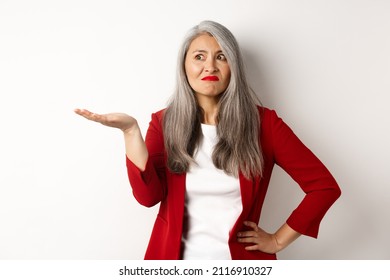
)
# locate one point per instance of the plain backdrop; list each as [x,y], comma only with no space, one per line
[323,65]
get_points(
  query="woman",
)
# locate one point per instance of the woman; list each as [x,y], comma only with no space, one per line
[208,157]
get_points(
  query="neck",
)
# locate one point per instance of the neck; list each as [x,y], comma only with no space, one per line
[210,118]
[210,109]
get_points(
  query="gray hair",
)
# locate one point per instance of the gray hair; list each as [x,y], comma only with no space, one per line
[238,121]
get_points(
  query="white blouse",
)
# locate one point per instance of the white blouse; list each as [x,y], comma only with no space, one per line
[213,204]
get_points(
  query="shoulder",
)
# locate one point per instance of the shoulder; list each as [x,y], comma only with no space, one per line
[272,125]
[159,114]
[157,117]
[267,114]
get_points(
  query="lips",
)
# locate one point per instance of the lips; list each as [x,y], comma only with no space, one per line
[210,78]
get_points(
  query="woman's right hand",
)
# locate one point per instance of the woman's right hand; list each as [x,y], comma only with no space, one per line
[122,121]
[136,149]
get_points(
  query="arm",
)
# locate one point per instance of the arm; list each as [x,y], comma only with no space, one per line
[136,150]
[311,175]
[149,183]
[320,188]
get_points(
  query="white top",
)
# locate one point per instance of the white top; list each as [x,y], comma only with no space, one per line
[213,204]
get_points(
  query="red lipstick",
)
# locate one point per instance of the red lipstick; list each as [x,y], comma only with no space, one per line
[211,78]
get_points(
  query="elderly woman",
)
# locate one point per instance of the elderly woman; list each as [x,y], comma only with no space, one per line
[208,157]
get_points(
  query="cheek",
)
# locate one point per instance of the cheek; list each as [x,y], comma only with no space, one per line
[191,76]
[227,71]
[193,71]
[227,75]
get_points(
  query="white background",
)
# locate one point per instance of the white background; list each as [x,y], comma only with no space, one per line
[323,65]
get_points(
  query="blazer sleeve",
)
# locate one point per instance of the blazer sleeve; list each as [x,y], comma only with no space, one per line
[321,189]
[149,186]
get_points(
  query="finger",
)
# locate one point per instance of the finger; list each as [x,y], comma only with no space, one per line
[251,224]
[89,115]
[85,113]
[252,248]
[247,240]
[81,112]
[246,234]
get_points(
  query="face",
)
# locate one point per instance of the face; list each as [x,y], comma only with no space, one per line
[206,67]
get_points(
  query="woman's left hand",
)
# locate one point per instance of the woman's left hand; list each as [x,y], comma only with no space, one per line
[262,240]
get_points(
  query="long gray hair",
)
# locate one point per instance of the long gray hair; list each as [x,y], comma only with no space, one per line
[238,121]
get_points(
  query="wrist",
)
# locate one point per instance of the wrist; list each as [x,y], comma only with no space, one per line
[278,245]
[284,237]
[133,129]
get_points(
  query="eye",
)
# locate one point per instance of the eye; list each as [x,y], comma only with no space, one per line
[221,57]
[199,57]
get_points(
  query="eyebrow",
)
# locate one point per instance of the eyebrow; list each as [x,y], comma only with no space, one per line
[204,51]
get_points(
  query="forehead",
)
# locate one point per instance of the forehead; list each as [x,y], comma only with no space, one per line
[204,41]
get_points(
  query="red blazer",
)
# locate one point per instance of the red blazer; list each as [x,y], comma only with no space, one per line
[279,145]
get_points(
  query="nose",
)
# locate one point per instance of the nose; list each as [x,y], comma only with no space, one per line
[210,66]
